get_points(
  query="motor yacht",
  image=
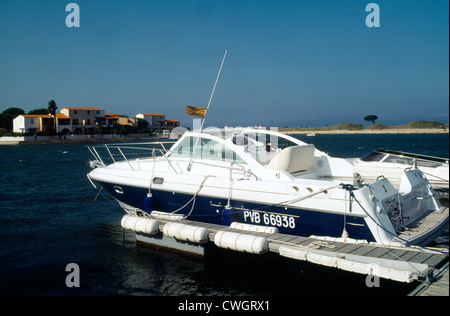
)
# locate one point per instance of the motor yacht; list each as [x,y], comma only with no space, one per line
[264,178]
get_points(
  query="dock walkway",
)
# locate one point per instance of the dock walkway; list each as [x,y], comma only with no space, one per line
[399,263]
[438,288]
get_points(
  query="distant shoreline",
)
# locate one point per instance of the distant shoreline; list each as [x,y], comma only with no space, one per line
[368,132]
[311,132]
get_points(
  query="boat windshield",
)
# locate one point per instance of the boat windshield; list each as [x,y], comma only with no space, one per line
[262,146]
[373,156]
[206,149]
[398,158]
[273,140]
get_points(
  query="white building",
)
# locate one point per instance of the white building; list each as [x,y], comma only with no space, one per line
[154,120]
[33,123]
[27,123]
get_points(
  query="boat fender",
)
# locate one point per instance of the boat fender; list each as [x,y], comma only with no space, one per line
[241,242]
[229,215]
[140,224]
[186,232]
[149,203]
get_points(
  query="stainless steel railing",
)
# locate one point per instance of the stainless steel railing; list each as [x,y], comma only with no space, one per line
[110,153]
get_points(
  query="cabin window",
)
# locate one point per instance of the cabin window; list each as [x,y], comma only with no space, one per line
[273,141]
[206,149]
[184,149]
[214,150]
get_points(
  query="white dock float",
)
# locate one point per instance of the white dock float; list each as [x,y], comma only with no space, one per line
[398,263]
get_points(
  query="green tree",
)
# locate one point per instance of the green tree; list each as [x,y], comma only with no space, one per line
[38,111]
[51,109]
[142,124]
[7,117]
[371,118]
[14,112]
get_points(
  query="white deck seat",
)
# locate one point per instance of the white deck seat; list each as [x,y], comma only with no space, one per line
[293,159]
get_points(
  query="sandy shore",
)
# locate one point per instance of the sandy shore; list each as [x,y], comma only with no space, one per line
[384,131]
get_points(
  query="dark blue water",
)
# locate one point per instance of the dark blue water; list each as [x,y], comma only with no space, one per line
[349,146]
[48,219]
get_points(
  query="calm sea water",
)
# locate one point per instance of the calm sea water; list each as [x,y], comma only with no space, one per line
[48,219]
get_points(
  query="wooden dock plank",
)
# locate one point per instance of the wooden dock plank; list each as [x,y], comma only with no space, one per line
[286,238]
[362,251]
[304,243]
[435,261]
[422,257]
[408,256]
[376,252]
[439,288]
[349,248]
[298,240]
[394,253]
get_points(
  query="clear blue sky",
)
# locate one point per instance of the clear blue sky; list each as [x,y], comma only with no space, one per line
[290,63]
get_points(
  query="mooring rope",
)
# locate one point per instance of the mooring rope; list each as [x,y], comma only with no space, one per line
[192,199]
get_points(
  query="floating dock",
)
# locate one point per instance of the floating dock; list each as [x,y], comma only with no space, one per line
[398,263]
[438,288]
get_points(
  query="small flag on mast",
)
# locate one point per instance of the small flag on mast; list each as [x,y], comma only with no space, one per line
[192,110]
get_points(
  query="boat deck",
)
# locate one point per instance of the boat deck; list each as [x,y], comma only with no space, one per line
[428,221]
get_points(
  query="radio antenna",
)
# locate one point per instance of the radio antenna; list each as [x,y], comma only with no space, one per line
[214,88]
[207,108]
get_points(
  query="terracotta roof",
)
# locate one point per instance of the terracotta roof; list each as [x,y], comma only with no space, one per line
[37,115]
[84,109]
[62,116]
[58,115]
[150,114]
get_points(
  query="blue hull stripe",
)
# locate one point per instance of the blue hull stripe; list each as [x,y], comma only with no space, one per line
[290,221]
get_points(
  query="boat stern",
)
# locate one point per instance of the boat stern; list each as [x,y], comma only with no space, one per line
[417,197]
[410,215]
